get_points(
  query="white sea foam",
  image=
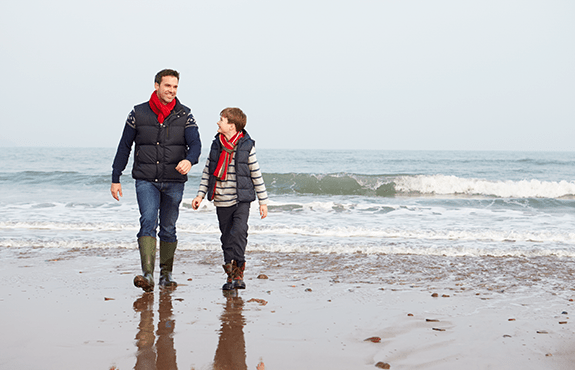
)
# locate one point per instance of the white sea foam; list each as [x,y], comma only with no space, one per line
[444,185]
[326,235]
[385,248]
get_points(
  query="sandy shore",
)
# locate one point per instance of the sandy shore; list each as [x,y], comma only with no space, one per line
[78,309]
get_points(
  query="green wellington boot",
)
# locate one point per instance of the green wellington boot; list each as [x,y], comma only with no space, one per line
[229,285]
[238,276]
[147,245]
[167,251]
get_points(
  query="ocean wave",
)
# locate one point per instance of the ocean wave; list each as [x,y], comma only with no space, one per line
[393,185]
[379,185]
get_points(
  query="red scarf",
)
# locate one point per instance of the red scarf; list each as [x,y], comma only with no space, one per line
[161,110]
[228,147]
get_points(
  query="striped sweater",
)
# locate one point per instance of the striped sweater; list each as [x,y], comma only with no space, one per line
[226,194]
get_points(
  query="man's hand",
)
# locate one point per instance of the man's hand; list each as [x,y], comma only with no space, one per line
[184,166]
[196,202]
[263,210]
[116,189]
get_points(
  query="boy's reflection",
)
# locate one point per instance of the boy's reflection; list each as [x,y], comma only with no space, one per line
[163,356]
[231,351]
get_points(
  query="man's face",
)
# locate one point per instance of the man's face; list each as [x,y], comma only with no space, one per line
[167,89]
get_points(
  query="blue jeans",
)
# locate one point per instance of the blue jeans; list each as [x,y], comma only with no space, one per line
[161,201]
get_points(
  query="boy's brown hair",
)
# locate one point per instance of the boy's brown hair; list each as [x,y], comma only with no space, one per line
[235,116]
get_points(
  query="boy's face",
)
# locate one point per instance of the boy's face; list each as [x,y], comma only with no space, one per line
[226,128]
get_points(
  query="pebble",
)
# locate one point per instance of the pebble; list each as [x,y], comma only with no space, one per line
[542,332]
[409,314]
[189,279]
[506,336]
[431,320]
[445,296]
[383,365]
[262,276]
[437,329]
[564,313]
[308,290]
[511,319]
[108,299]
[562,322]
[435,295]
[373,339]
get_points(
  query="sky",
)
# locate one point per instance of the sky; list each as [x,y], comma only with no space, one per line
[391,75]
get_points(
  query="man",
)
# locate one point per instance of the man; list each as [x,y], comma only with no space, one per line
[167,145]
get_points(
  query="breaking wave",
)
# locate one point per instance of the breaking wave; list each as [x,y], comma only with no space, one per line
[398,185]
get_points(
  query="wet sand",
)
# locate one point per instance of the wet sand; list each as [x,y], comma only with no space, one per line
[78,309]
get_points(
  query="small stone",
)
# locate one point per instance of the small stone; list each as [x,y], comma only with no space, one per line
[179,299]
[445,296]
[373,339]
[383,365]
[564,313]
[431,320]
[108,299]
[189,279]
[308,290]
[262,276]
[437,329]
[260,301]
[435,295]
[548,355]
[571,300]
[409,314]
[562,322]
[512,319]
[506,336]
[542,332]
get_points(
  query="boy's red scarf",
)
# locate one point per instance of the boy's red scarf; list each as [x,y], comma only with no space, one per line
[228,147]
[161,110]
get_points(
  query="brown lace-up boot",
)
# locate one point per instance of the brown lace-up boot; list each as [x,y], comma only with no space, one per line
[238,276]
[228,268]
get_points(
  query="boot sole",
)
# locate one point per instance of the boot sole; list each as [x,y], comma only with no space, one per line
[143,283]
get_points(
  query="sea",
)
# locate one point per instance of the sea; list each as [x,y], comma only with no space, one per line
[372,202]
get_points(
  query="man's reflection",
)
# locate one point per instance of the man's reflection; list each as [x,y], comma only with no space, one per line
[162,355]
[231,351]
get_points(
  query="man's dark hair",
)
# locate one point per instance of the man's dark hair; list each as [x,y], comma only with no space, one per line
[166,72]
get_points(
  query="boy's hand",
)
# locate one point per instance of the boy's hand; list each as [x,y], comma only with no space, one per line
[196,202]
[184,166]
[263,210]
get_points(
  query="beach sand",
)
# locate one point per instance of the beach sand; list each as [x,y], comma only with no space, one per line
[78,309]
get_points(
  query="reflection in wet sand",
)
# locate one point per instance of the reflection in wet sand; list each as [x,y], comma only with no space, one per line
[152,353]
[231,351]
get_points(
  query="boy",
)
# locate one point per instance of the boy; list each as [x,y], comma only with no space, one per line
[232,179]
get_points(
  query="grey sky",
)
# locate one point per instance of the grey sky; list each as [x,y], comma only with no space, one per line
[477,75]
